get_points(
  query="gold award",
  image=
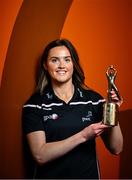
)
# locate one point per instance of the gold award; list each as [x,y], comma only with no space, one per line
[110,111]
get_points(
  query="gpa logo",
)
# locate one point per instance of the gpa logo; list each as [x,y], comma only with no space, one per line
[52,116]
[87,117]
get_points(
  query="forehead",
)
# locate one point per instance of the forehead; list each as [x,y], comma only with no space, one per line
[59,51]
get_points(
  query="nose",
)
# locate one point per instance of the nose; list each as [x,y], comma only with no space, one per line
[61,63]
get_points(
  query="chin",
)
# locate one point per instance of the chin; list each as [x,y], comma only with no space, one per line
[62,81]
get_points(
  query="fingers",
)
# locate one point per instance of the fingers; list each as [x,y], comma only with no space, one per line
[102,128]
[102,125]
[114,95]
[99,133]
[94,130]
[115,98]
[99,128]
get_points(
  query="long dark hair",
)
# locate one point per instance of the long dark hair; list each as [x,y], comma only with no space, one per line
[78,74]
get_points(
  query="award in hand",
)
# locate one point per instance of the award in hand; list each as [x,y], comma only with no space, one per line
[110,112]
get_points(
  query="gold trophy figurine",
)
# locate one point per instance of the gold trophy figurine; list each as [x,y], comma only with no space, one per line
[110,112]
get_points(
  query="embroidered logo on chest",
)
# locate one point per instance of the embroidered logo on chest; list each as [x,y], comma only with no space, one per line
[87,117]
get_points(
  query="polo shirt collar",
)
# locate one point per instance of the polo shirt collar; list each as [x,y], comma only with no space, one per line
[50,95]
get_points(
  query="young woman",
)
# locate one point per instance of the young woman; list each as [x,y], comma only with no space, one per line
[63,117]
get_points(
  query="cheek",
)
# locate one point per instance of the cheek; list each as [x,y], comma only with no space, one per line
[50,67]
[71,67]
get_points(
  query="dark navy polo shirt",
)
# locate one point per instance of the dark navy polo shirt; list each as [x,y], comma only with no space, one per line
[59,121]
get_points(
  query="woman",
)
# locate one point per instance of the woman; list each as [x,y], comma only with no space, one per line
[63,118]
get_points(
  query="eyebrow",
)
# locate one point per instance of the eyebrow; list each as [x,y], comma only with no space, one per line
[59,57]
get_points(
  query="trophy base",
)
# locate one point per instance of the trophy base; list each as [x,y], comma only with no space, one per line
[110,114]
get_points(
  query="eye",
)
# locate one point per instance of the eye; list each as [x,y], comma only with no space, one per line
[68,60]
[54,60]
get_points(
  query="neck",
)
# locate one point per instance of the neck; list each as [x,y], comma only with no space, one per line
[64,91]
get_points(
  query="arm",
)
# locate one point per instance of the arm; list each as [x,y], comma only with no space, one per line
[44,152]
[112,137]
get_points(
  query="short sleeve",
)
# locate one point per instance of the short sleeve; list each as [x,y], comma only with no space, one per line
[31,118]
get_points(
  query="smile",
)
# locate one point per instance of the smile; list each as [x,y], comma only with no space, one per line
[61,72]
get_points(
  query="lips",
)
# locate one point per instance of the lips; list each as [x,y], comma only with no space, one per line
[61,72]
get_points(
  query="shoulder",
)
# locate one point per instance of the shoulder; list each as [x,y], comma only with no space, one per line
[35,99]
[91,92]
[92,95]
[31,114]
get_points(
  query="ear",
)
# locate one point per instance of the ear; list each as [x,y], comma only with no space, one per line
[45,66]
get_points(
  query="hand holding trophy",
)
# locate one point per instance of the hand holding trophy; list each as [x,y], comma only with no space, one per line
[110,112]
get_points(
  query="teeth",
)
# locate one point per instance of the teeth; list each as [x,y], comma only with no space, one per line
[61,72]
